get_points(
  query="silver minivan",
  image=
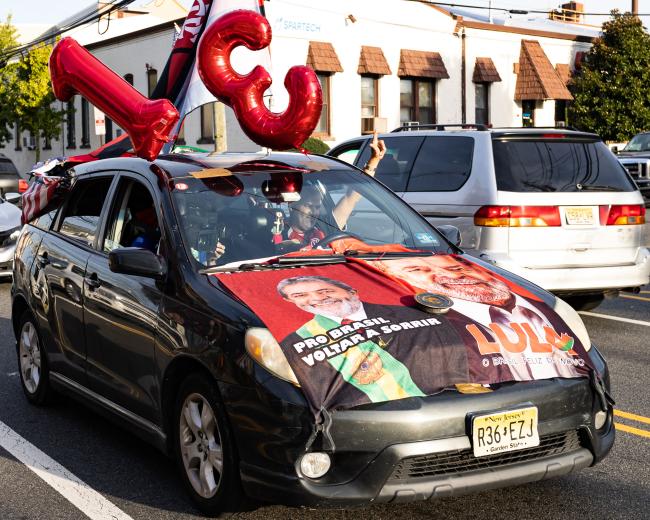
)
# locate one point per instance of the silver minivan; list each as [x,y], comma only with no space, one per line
[552,205]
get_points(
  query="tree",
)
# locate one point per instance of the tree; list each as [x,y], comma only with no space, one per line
[612,90]
[26,96]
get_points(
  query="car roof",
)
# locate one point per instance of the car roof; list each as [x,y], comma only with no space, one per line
[474,130]
[182,164]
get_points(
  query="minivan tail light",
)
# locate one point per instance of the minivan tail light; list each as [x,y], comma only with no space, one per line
[22,185]
[517,216]
[624,214]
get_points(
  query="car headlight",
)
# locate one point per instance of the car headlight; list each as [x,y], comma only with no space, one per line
[573,320]
[266,351]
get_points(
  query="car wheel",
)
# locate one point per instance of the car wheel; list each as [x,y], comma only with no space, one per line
[586,302]
[32,362]
[204,449]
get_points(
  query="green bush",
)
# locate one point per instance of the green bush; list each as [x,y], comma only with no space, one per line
[313,145]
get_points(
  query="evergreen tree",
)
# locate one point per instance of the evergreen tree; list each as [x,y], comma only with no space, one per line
[612,90]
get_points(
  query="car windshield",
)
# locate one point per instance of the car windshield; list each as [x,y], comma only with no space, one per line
[230,217]
[639,143]
[557,165]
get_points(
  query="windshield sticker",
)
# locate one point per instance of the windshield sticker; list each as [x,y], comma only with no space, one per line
[353,333]
[211,172]
[426,239]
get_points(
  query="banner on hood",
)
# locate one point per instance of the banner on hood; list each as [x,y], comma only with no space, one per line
[382,330]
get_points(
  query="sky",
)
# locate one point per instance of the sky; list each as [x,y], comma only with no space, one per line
[50,12]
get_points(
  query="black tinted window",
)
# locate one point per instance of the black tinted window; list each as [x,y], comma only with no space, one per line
[394,168]
[557,165]
[81,215]
[6,166]
[443,164]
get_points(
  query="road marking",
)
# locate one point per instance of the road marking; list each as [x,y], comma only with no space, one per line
[630,429]
[615,318]
[632,416]
[634,297]
[80,494]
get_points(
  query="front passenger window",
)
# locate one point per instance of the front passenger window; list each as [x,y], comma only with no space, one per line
[81,215]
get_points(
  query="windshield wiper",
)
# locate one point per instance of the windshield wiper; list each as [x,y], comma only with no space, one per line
[311,260]
[596,187]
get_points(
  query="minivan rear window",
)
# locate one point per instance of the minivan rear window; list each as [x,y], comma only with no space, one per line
[557,165]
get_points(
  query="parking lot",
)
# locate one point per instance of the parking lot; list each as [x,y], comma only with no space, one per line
[74,460]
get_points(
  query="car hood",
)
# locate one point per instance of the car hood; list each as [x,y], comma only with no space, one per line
[640,155]
[374,331]
[9,216]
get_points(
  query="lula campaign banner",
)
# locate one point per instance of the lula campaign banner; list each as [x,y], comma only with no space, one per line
[353,333]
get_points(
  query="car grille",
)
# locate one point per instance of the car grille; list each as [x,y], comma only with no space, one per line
[640,172]
[455,462]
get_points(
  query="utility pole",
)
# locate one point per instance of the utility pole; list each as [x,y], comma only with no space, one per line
[635,7]
[220,137]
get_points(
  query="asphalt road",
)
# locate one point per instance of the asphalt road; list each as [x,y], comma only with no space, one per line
[141,484]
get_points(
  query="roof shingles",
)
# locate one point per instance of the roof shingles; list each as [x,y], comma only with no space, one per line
[373,61]
[485,71]
[421,64]
[322,57]
[537,79]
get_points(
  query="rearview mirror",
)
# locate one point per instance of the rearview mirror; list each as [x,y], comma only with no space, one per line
[137,261]
[451,233]
[13,198]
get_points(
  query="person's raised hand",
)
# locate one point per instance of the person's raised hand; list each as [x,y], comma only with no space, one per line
[378,150]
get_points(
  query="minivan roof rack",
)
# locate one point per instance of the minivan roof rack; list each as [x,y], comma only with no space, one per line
[417,126]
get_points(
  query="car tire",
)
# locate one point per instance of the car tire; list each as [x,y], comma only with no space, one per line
[32,362]
[585,302]
[204,448]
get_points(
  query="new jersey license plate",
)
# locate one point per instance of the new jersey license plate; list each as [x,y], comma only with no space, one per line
[579,216]
[505,431]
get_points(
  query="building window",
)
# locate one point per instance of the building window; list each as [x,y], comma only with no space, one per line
[180,139]
[17,133]
[560,113]
[369,97]
[323,126]
[152,80]
[47,143]
[109,129]
[85,124]
[207,124]
[528,113]
[482,103]
[417,101]
[129,78]
[70,125]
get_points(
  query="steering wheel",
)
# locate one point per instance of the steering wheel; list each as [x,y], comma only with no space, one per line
[337,235]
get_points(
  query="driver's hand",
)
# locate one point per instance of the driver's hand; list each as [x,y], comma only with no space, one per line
[218,252]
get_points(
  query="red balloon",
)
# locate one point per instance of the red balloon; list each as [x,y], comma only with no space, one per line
[244,93]
[148,122]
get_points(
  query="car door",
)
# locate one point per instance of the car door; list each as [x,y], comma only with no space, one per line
[120,309]
[60,268]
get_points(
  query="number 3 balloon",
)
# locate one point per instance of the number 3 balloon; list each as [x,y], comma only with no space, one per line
[244,93]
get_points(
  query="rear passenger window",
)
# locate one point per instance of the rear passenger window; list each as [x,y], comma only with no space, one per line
[394,168]
[443,164]
[80,219]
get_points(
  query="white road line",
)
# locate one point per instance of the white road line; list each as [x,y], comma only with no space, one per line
[616,318]
[80,494]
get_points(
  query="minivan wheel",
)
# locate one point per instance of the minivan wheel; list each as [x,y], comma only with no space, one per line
[32,362]
[585,302]
[204,450]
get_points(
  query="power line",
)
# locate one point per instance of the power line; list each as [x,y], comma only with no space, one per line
[507,10]
[49,36]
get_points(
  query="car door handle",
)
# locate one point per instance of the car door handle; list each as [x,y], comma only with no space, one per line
[93,282]
[43,260]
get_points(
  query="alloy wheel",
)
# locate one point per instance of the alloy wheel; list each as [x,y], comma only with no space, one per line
[30,357]
[200,444]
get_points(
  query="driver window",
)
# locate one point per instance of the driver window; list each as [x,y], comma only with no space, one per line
[133,221]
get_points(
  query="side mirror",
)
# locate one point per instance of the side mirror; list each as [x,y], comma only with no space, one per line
[614,150]
[137,261]
[13,198]
[451,233]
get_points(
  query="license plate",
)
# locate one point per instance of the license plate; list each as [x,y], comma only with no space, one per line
[582,216]
[511,430]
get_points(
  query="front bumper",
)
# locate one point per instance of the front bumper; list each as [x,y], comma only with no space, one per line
[375,445]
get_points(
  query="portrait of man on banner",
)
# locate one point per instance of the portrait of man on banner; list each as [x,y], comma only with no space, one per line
[531,341]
